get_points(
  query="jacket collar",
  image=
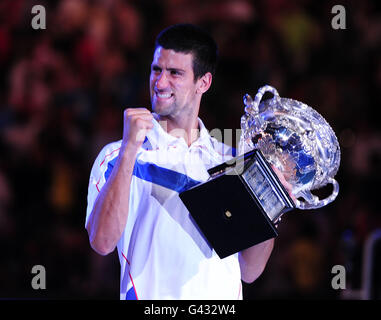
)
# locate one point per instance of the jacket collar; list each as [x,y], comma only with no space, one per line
[158,137]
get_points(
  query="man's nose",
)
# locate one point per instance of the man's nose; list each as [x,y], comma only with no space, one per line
[161,81]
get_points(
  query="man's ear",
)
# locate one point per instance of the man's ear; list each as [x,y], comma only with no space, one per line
[204,83]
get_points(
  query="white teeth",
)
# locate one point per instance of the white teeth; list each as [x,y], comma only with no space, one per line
[163,95]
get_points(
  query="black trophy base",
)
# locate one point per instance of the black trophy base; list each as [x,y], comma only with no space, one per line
[228,215]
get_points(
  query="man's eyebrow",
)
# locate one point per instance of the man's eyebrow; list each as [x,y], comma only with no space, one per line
[156,66]
[176,69]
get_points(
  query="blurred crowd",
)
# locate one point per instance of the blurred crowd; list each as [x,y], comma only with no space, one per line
[63,90]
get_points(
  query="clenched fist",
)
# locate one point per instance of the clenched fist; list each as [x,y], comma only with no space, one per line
[137,122]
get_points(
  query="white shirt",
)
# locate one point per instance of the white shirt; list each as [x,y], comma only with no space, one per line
[162,254]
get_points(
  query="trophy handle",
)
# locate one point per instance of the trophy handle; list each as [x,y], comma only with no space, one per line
[313,202]
[252,106]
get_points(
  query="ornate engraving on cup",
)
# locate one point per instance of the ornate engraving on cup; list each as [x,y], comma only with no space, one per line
[297,140]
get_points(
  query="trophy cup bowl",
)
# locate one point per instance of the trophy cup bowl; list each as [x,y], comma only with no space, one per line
[295,139]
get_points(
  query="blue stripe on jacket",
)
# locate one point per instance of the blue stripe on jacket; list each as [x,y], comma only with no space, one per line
[164,177]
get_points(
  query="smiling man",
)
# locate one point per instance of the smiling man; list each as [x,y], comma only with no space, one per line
[133,198]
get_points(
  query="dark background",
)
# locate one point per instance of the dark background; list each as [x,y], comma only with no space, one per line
[62,95]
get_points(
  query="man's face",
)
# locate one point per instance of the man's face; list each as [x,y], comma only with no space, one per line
[172,85]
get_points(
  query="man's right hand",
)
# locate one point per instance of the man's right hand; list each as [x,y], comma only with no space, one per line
[109,215]
[137,122]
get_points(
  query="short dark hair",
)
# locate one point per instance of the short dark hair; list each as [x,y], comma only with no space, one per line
[188,38]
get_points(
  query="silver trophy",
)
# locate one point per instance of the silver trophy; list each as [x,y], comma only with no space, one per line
[244,198]
[295,139]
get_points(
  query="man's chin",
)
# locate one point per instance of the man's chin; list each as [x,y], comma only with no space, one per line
[161,110]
